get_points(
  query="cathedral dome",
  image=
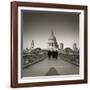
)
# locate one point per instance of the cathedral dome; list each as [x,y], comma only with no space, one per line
[52,37]
[52,42]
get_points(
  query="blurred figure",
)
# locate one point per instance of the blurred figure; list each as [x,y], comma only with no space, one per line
[56,56]
[53,54]
[49,54]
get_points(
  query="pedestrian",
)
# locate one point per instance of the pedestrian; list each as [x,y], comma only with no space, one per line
[49,54]
[53,54]
[56,54]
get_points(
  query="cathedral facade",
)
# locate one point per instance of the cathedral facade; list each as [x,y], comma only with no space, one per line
[52,42]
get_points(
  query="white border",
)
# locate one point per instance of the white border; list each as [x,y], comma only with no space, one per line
[52,78]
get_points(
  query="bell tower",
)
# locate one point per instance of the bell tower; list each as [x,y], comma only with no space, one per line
[32,45]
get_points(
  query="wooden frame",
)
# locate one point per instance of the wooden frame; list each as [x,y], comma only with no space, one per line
[14,43]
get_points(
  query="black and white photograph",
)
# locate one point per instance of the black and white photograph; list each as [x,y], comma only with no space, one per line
[50,43]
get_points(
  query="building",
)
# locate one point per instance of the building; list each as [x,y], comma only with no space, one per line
[52,42]
[32,45]
[75,49]
[61,46]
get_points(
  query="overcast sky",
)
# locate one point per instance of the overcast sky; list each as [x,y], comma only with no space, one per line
[38,26]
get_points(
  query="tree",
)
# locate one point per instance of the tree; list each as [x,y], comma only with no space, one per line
[68,50]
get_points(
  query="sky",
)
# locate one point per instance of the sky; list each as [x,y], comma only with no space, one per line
[38,26]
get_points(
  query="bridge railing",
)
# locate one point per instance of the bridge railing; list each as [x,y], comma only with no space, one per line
[74,59]
[30,59]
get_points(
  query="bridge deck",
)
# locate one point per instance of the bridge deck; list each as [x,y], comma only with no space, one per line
[60,66]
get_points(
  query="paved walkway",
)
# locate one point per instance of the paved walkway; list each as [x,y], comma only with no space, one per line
[42,68]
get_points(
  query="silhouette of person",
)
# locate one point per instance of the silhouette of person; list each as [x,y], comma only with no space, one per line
[49,54]
[56,54]
[53,55]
